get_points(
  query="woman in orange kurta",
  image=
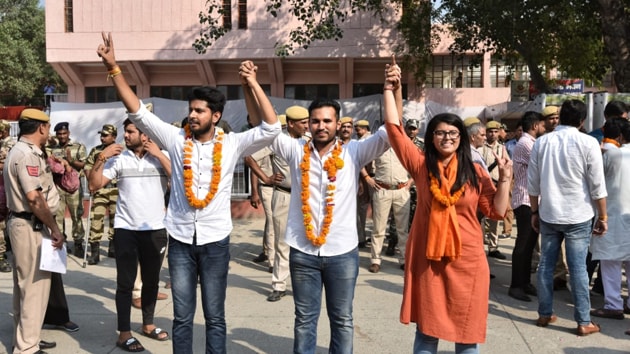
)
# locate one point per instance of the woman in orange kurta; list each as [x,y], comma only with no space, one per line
[446,271]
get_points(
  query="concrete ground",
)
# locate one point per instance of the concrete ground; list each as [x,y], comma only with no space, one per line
[258,326]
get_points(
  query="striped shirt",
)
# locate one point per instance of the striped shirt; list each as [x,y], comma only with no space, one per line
[520,158]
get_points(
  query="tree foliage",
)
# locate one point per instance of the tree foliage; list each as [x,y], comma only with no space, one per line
[23,51]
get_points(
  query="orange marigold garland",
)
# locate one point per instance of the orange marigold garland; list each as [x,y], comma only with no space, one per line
[611,141]
[447,201]
[331,166]
[193,201]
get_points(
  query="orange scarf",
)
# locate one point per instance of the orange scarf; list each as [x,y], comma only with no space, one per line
[443,237]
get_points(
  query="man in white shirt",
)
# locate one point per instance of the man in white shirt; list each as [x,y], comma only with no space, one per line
[566,175]
[198,218]
[321,230]
[142,172]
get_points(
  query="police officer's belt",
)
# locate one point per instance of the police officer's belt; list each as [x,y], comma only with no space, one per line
[391,186]
[284,189]
[23,215]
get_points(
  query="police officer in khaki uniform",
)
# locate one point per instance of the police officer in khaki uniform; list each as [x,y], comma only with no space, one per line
[6,143]
[103,200]
[297,126]
[75,153]
[32,200]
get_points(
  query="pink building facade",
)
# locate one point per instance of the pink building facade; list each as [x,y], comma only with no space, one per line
[153,42]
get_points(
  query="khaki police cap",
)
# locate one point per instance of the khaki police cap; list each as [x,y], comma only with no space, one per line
[493,124]
[550,111]
[296,113]
[283,119]
[345,120]
[470,121]
[362,123]
[34,114]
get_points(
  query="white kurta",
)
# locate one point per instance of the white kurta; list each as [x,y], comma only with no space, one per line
[615,244]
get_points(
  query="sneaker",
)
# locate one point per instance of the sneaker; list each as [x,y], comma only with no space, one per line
[496,254]
[276,295]
[69,326]
[504,236]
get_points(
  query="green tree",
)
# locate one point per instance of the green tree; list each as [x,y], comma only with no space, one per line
[615,16]
[24,70]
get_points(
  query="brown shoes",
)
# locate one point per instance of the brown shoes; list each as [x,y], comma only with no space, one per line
[137,303]
[608,313]
[588,329]
[374,268]
[544,321]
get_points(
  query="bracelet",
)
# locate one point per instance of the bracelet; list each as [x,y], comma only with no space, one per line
[367,178]
[603,218]
[114,72]
[101,158]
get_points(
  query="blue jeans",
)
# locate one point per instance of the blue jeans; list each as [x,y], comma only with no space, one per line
[577,239]
[424,344]
[208,264]
[338,274]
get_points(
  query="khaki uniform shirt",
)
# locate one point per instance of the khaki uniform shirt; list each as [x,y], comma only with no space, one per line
[263,159]
[486,153]
[91,159]
[25,170]
[389,170]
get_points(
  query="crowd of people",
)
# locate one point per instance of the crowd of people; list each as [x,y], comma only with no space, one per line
[443,198]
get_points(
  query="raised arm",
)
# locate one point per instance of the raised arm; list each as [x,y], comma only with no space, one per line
[126,94]
[258,105]
[392,94]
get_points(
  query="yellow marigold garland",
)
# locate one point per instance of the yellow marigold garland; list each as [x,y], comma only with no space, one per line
[188,171]
[447,201]
[331,166]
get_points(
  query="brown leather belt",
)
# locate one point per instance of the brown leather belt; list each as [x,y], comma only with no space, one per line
[392,187]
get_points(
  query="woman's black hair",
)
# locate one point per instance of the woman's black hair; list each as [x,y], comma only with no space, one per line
[465,167]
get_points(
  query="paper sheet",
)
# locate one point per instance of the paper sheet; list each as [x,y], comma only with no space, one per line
[51,259]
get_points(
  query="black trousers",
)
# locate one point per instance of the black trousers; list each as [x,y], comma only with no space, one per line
[526,239]
[147,248]
[57,313]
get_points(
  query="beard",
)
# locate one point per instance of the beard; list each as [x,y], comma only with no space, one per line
[203,129]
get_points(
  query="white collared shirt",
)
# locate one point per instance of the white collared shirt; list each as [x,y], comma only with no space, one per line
[342,237]
[566,171]
[141,184]
[214,222]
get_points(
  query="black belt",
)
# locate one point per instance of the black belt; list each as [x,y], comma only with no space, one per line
[22,215]
[284,189]
[266,185]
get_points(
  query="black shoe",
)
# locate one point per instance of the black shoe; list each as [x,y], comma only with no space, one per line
[519,294]
[260,258]
[5,266]
[270,270]
[362,244]
[530,289]
[46,345]
[504,236]
[79,252]
[111,251]
[276,295]
[496,254]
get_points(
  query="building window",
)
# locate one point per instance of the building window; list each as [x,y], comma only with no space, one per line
[227,14]
[242,14]
[102,94]
[450,71]
[311,92]
[360,90]
[503,72]
[235,92]
[69,22]
[172,92]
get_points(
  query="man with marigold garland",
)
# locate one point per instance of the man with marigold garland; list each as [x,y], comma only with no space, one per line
[323,243]
[198,219]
